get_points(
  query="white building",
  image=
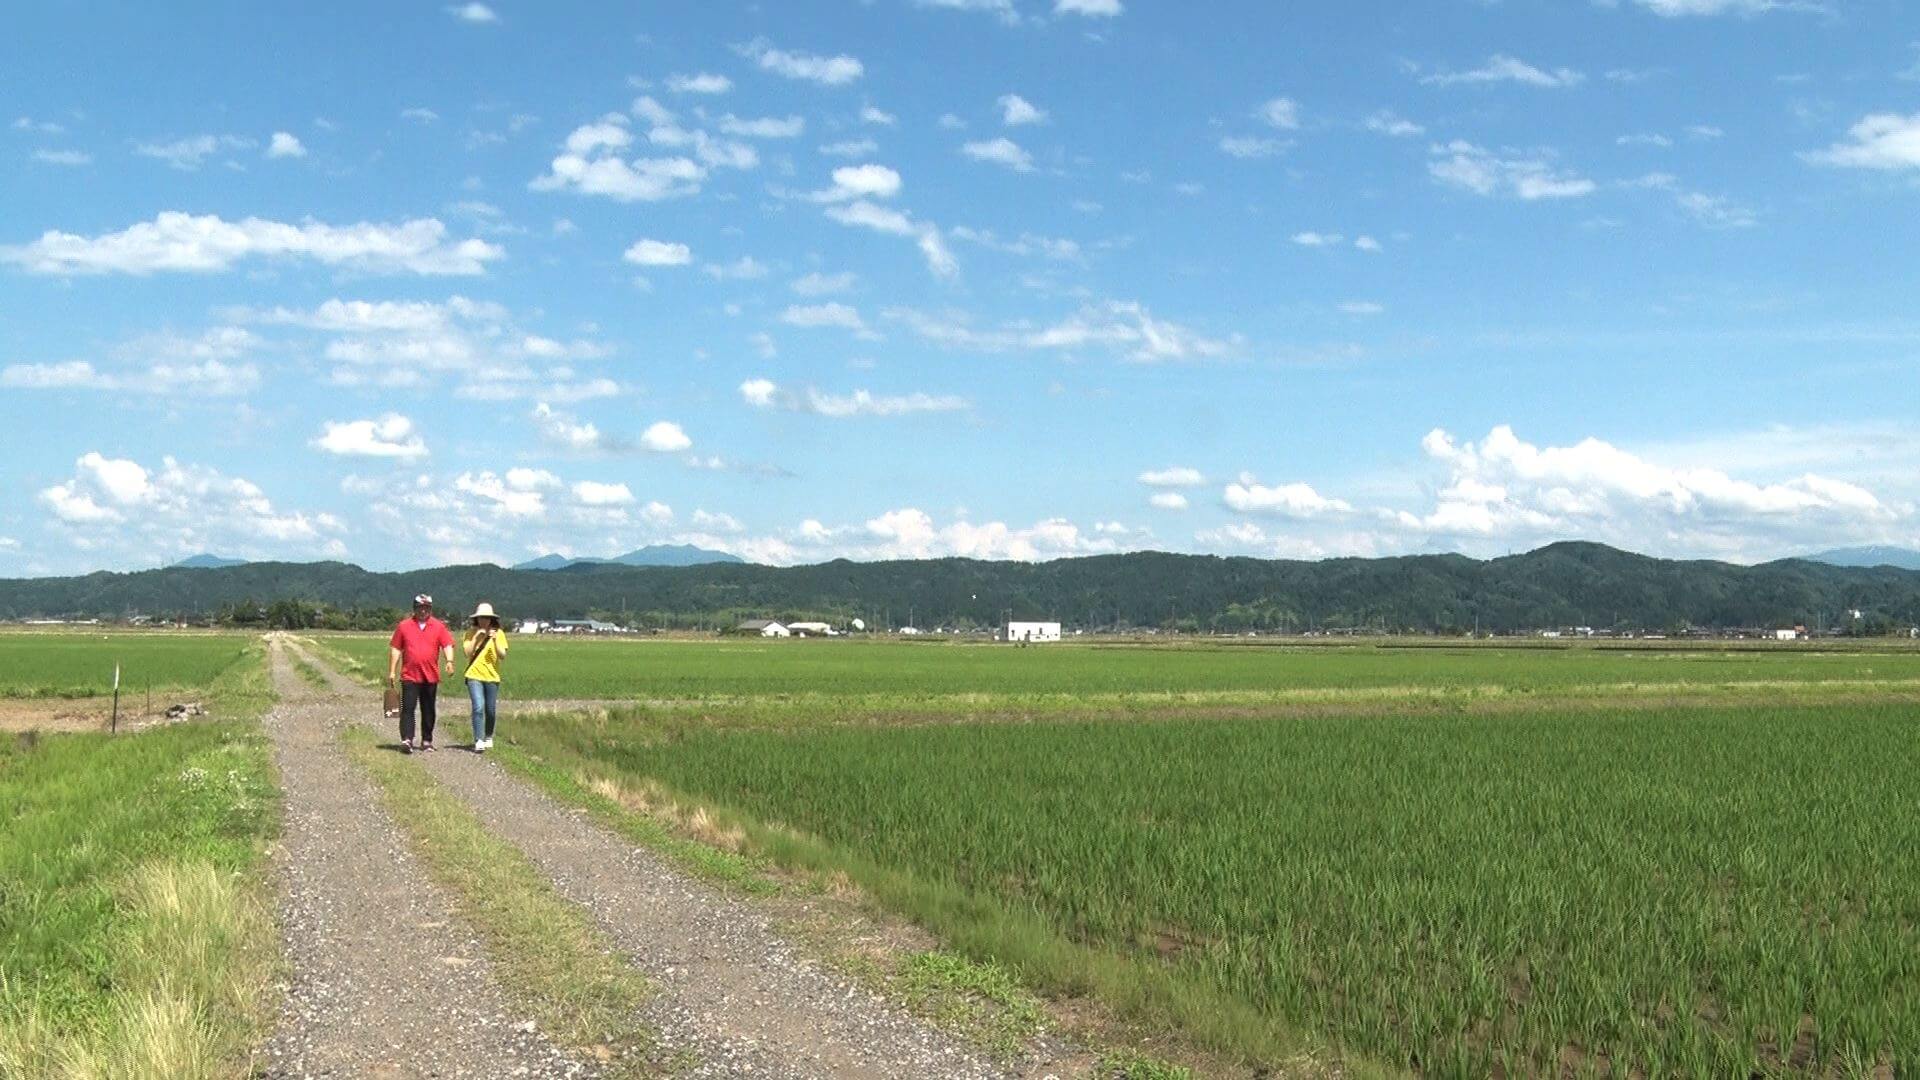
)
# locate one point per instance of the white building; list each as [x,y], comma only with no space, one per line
[764,628]
[1786,635]
[811,629]
[1030,632]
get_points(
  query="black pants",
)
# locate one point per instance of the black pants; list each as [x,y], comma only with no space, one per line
[427,696]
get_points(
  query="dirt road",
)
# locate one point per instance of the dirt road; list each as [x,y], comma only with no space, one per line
[735,998]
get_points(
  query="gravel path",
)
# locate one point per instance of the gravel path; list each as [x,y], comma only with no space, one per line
[383,984]
[734,996]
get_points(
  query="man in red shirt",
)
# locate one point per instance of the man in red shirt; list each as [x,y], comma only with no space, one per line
[418,642]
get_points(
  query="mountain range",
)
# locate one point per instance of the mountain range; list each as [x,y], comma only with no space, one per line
[1875,555]
[1564,584]
[651,555]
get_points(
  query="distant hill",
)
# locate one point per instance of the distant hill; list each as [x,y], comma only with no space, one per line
[1876,555]
[1567,584]
[652,555]
[208,562]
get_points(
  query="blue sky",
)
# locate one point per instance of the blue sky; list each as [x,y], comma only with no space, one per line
[1003,278]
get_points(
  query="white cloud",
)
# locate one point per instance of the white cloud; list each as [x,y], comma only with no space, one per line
[819,315]
[760,393]
[658,253]
[1059,249]
[1463,165]
[703,83]
[1645,139]
[1249,496]
[1317,239]
[1280,112]
[176,241]
[867,215]
[190,153]
[1001,9]
[1503,68]
[63,157]
[1879,141]
[1367,243]
[1016,110]
[1362,307]
[1678,8]
[766,394]
[1250,146]
[390,436]
[818,284]
[1100,8]
[852,182]
[825,70]
[420,115]
[1168,500]
[1124,327]
[1173,476]
[665,437]
[563,430]
[285,145]
[745,268]
[766,127]
[850,148]
[519,496]
[594,493]
[157,365]
[178,508]
[42,127]
[1001,151]
[473,13]
[871,114]
[591,165]
[1387,122]
[1520,492]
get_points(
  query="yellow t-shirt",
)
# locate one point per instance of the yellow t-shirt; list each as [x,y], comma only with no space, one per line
[485,667]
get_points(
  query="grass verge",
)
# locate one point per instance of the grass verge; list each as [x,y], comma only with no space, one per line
[546,953]
[136,929]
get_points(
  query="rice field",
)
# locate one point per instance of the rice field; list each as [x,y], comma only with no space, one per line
[1723,886]
[68,664]
[562,668]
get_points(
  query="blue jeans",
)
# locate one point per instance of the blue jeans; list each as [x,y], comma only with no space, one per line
[486,700]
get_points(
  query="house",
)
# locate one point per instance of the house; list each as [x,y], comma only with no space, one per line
[810,629]
[1027,633]
[584,626]
[1794,634]
[762,628]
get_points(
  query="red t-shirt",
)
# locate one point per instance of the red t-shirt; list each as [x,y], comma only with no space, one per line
[420,648]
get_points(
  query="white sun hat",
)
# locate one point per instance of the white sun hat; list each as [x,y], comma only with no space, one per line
[484,611]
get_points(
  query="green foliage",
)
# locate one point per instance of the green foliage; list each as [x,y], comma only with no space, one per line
[984,1001]
[1446,893]
[1128,1065]
[77,665]
[1560,585]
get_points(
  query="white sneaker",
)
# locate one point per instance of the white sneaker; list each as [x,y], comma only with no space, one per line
[486,744]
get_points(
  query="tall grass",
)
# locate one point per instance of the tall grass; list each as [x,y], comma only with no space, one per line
[1702,891]
[136,936]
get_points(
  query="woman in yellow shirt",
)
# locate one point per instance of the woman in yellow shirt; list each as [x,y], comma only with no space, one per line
[485,645]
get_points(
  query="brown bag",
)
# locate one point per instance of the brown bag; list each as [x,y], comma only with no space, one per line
[393,701]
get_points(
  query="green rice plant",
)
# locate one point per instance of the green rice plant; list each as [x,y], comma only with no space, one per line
[795,676]
[1699,890]
[80,665]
